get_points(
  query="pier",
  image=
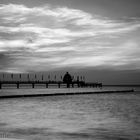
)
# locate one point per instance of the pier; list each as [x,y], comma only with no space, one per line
[32,81]
[46,84]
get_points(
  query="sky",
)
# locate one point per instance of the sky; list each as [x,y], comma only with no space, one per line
[98,38]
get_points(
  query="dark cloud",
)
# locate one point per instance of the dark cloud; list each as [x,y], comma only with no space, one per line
[4,61]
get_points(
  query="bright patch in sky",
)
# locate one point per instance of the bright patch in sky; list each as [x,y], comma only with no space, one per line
[44,38]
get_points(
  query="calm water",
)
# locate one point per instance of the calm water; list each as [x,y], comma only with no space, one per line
[78,117]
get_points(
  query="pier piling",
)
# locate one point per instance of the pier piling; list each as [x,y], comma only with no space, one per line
[33,85]
[46,85]
[17,85]
[58,85]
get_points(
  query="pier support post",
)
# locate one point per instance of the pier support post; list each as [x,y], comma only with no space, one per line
[58,85]
[46,85]
[78,84]
[68,85]
[72,85]
[33,85]
[17,85]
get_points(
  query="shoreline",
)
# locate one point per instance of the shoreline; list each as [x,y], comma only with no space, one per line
[65,93]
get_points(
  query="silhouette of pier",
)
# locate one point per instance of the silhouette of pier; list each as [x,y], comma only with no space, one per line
[64,81]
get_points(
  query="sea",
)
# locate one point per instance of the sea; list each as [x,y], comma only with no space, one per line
[113,116]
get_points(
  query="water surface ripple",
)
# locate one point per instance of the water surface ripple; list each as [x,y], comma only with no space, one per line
[78,117]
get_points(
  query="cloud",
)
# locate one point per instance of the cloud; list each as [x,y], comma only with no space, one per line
[43,38]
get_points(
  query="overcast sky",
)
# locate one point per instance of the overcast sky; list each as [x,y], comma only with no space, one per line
[45,35]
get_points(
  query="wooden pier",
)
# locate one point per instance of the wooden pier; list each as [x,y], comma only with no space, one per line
[34,80]
[47,84]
